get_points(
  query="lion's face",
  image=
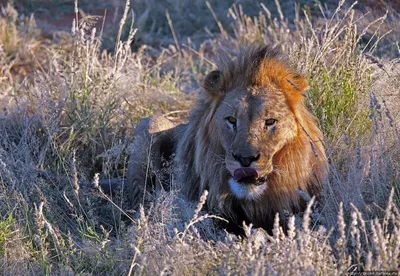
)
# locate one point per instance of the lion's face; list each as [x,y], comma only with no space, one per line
[254,123]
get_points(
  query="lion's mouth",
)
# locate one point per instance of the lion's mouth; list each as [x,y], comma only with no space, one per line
[248,176]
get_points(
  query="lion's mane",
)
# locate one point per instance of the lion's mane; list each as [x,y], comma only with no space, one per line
[302,162]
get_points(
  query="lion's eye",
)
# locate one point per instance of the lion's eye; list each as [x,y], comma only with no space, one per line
[231,120]
[270,122]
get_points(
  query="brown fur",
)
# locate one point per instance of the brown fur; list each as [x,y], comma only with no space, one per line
[256,85]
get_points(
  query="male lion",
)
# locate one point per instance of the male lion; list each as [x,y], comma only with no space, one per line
[250,142]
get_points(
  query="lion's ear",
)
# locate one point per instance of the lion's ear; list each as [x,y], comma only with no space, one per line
[298,82]
[297,86]
[213,83]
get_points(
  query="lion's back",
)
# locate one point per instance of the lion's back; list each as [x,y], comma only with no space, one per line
[151,156]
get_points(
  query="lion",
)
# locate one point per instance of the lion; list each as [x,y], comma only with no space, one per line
[250,141]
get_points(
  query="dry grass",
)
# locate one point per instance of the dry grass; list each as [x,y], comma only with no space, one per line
[71,117]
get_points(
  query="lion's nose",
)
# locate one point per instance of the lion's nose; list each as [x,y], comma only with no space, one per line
[245,161]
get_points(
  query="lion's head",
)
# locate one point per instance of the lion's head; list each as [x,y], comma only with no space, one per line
[250,140]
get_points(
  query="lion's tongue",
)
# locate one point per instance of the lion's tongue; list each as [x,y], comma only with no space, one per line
[245,174]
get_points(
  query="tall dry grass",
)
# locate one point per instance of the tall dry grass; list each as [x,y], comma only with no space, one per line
[72,119]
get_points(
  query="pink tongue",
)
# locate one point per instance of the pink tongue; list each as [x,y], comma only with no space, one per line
[242,174]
